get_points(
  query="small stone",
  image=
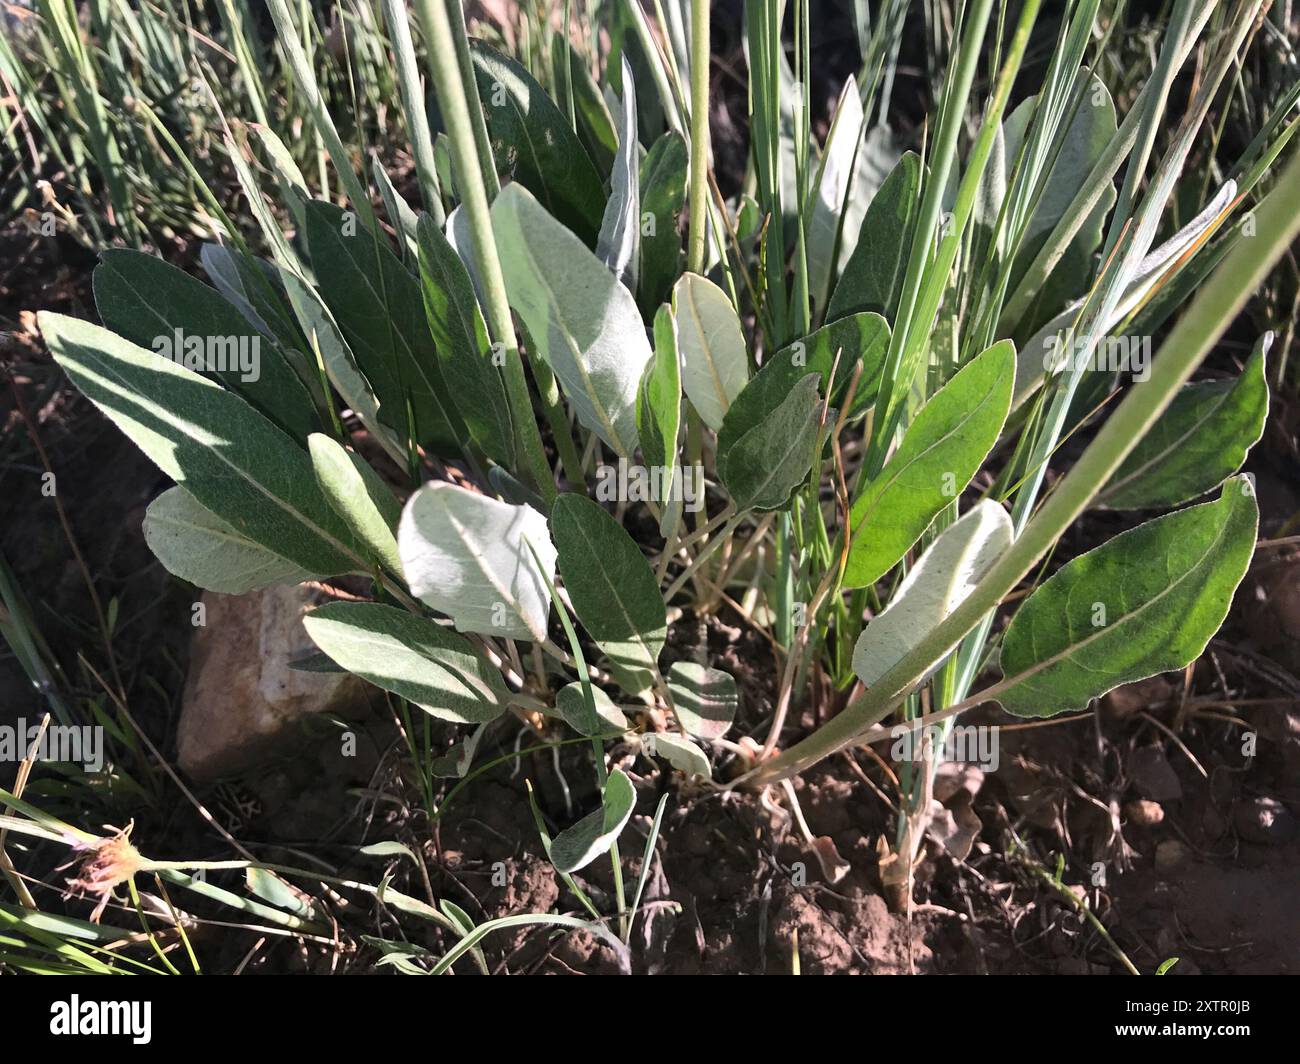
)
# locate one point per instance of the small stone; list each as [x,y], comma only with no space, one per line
[1170,855]
[1264,820]
[241,695]
[1144,813]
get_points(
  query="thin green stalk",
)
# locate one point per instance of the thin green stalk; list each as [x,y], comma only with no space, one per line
[904,353]
[474,192]
[699,190]
[1218,303]
[417,116]
[465,65]
[320,116]
[1088,196]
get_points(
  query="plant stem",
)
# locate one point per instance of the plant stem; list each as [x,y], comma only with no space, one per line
[1220,300]
[699,134]
[708,549]
[460,39]
[905,347]
[417,118]
[456,114]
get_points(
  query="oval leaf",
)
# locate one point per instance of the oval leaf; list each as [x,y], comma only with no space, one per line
[612,588]
[583,323]
[873,276]
[464,554]
[935,586]
[378,305]
[577,846]
[197,545]
[678,751]
[534,144]
[1145,602]
[359,496]
[1202,439]
[772,459]
[412,657]
[859,338]
[607,721]
[942,449]
[159,307]
[211,442]
[715,366]
[663,194]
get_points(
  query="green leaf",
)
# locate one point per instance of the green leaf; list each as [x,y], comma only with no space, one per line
[704,699]
[830,191]
[271,888]
[577,846]
[379,309]
[937,584]
[464,554]
[359,496]
[1091,130]
[942,450]
[1145,602]
[534,145]
[872,278]
[612,587]
[324,337]
[253,287]
[663,194]
[715,366]
[400,215]
[211,442]
[878,155]
[197,545]
[1202,439]
[388,848]
[678,751]
[148,302]
[607,721]
[772,459]
[412,657]
[618,245]
[583,323]
[659,398]
[464,350]
[858,338]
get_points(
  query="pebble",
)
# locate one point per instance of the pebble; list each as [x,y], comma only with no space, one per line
[1264,820]
[1144,813]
